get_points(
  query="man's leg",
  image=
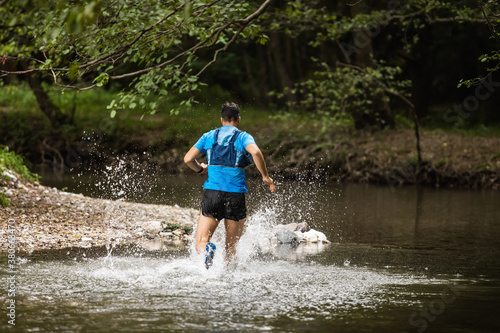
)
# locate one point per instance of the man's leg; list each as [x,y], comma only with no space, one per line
[204,231]
[234,229]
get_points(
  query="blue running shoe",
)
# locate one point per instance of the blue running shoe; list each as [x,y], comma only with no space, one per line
[209,255]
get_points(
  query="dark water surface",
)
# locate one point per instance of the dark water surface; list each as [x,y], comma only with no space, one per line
[402,260]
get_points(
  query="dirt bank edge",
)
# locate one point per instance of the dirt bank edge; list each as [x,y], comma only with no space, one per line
[43,218]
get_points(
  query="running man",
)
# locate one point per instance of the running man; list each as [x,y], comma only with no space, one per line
[229,151]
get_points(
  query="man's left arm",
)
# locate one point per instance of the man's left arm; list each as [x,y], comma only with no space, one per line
[260,163]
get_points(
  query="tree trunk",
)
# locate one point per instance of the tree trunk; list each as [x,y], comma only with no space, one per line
[52,111]
[252,82]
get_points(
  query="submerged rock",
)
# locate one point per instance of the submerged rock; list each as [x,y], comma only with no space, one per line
[290,227]
[295,233]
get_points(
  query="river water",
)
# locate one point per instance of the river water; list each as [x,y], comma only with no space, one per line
[401,260]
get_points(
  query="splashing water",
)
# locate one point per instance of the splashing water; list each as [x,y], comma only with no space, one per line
[178,293]
[126,179]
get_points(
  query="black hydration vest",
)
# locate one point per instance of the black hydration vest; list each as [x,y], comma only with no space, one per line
[227,155]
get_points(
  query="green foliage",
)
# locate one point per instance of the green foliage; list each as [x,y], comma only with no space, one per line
[188,229]
[11,96]
[154,45]
[4,201]
[170,225]
[491,12]
[9,160]
[336,93]
[349,78]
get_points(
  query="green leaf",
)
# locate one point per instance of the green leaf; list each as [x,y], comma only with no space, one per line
[110,106]
[73,71]
[113,113]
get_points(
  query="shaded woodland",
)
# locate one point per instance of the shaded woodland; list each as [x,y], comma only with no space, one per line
[353,67]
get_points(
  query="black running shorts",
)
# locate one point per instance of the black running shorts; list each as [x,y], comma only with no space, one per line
[224,205]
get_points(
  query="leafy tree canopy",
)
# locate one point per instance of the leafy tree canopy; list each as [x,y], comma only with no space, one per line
[157,47]
[351,74]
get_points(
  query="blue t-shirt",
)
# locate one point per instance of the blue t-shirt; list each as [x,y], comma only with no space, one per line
[223,178]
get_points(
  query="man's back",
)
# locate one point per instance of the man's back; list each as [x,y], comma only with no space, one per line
[220,177]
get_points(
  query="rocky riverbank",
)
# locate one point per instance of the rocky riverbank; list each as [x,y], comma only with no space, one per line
[46,218]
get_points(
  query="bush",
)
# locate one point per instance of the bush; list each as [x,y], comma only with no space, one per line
[4,201]
[9,160]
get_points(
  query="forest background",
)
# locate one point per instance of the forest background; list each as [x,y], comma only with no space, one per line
[388,92]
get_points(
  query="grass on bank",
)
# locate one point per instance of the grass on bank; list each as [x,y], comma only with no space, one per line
[19,111]
[10,161]
[27,126]
[4,201]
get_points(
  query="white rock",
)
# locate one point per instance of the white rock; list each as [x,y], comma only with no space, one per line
[311,236]
[9,175]
[86,239]
[152,226]
[321,236]
[8,192]
[314,236]
[166,234]
[286,236]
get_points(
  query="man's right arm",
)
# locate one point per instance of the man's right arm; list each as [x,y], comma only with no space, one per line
[260,163]
[192,163]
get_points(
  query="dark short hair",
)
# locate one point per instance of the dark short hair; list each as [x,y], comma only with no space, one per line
[230,111]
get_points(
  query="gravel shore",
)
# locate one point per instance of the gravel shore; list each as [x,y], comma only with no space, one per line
[47,218]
